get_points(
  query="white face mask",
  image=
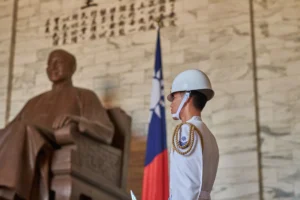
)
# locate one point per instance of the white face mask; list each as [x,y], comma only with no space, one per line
[185,98]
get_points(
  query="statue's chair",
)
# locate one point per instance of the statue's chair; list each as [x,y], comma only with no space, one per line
[86,169]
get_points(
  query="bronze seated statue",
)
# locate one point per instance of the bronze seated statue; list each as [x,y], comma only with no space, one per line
[64,144]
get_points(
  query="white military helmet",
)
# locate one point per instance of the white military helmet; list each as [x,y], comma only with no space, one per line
[192,79]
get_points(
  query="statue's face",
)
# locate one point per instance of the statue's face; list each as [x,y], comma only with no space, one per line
[59,67]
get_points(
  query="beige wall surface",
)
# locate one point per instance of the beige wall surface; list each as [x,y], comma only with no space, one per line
[6,16]
[114,43]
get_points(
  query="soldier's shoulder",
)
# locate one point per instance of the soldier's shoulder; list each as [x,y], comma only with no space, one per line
[185,139]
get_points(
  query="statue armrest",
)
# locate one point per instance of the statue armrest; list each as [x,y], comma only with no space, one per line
[64,135]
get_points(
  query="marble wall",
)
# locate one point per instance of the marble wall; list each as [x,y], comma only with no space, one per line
[6,15]
[232,112]
[277,33]
[214,36]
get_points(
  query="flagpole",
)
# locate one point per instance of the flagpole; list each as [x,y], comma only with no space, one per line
[156,176]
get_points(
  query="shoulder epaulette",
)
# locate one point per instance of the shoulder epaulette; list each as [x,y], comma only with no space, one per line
[187,147]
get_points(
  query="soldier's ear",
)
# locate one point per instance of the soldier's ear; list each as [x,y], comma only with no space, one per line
[190,100]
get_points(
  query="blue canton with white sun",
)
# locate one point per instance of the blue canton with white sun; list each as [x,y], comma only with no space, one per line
[157,94]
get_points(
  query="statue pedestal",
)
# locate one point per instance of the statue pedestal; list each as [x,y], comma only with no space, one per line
[68,187]
[86,169]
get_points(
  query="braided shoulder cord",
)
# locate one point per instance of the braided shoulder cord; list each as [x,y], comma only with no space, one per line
[186,148]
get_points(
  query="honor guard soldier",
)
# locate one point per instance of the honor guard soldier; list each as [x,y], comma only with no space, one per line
[194,156]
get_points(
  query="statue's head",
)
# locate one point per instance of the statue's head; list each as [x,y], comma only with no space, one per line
[61,66]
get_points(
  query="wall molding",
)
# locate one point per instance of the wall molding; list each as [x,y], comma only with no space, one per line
[11,60]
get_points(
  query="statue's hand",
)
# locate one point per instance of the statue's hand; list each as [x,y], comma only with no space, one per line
[64,120]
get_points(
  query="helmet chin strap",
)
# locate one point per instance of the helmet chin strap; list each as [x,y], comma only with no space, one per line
[185,98]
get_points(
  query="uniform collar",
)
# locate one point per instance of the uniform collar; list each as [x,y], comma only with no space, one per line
[195,118]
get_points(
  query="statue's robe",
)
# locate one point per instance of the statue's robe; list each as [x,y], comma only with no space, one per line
[25,150]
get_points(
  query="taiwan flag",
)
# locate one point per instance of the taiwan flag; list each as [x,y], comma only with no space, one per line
[156,175]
